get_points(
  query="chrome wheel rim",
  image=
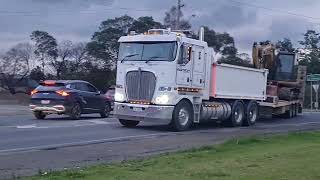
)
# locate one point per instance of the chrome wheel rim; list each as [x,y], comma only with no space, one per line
[253,114]
[183,117]
[238,115]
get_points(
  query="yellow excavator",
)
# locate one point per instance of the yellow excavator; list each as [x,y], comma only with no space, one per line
[286,79]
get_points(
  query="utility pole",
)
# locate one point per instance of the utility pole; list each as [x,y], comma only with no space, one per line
[178,14]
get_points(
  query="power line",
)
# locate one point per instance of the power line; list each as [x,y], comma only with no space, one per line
[66,11]
[274,10]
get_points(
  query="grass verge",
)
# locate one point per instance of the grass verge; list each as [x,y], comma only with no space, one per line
[294,156]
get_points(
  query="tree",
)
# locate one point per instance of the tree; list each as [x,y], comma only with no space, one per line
[104,43]
[285,45]
[46,47]
[311,40]
[65,49]
[15,66]
[222,43]
[312,58]
[79,54]
[37,74]
[170,19]
[143,24]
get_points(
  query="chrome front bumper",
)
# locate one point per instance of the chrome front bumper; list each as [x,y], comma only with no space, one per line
[58,109]
[139,112]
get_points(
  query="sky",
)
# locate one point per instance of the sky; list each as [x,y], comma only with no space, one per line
[76,20]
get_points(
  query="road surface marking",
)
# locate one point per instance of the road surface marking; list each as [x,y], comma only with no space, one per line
[27,126]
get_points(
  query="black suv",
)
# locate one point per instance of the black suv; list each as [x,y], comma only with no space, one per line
[70,97]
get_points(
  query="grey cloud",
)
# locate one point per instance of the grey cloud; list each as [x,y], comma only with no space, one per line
[78,19]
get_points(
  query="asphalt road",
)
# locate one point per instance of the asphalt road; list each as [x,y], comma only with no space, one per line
[28,146]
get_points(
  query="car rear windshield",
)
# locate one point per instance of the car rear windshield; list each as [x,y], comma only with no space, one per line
[51,86]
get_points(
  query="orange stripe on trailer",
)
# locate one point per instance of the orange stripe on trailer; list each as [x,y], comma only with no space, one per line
[213,81]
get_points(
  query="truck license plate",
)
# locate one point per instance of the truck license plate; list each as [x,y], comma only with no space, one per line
[136,109]
[45,101]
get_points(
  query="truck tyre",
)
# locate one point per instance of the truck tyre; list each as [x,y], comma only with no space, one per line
[128,123]
[182,118]
[295,108]
[39,115]
[237,115]
[289,113]
[75,112]
[252,114]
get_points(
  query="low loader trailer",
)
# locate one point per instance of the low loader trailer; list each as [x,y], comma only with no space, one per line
[167,77]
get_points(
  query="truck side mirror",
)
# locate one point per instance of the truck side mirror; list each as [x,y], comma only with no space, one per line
[185,54]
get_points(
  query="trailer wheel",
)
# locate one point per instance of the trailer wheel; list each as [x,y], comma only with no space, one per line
[296,109]
[182,117]
[252,114]
[289,113]
[237,115]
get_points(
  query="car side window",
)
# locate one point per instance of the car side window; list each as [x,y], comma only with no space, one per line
[78,86]
[91,88]
[71,86]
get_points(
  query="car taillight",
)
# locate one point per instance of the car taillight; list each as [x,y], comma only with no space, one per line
[34,92]
[62,93]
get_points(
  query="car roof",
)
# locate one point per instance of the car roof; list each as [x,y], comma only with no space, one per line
[68,81]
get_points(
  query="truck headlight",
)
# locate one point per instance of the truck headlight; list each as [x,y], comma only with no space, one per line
[163,99]
[119,97]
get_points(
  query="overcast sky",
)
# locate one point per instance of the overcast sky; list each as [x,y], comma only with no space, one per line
[76,20]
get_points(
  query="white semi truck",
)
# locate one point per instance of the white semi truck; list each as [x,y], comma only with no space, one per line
[165,76]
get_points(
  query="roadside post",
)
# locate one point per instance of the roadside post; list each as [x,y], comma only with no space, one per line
[314,80]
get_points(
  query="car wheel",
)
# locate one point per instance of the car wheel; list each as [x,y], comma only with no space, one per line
[182,118]
[75,112]
[129,123]
[252,112]
[39,115]
[106,111]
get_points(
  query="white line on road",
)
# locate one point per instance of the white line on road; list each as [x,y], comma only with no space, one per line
[27,126]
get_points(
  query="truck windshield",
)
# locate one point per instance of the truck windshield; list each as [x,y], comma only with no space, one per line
[148,51]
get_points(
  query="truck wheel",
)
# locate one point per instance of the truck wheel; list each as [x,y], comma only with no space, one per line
[295,109]
[39,115]
[237,115]
[128,123]
[252,114]
[289,113]
[182,117]
[75,112]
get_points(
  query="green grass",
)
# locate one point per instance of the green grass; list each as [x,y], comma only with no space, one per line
[293,157]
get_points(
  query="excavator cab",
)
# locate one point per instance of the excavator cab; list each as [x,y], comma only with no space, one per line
[284,69]
[281,65]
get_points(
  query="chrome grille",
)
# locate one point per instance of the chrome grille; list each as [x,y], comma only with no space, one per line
[140,85]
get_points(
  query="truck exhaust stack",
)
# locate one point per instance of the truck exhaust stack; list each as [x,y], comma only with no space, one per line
[201,34]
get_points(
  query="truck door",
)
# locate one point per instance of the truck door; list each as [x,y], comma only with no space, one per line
[184,66]
[198,62]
